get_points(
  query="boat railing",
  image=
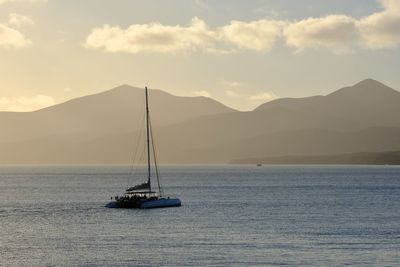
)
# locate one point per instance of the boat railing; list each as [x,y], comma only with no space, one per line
[170,196]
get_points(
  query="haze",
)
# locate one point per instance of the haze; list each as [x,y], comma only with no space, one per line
[241,53]
[105,128]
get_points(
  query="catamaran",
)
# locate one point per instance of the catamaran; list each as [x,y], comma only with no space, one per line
[143,196]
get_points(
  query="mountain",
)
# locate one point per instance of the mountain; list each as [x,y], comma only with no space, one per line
[364,158]
[103,128]
[285,120]
[366,104]
[306,142]
[118,110]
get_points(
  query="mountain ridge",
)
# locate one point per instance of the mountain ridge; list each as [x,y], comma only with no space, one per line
[118,109]
[371,85]
[360,158]
[202,130]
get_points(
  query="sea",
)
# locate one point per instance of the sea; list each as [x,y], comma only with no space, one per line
[232,215]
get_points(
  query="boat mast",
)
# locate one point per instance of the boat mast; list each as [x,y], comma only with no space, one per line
[148,140]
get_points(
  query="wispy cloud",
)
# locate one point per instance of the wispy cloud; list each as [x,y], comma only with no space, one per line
[22,1]
[264,96]
[21,104]
[232,94]
[231,83]
[202,3]
[202,93]
[19,20]
[268,12]
[335,32]
[12,38]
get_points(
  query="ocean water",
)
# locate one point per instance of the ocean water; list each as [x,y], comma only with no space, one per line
[231,216]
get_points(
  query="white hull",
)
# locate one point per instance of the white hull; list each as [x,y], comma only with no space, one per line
[161,203]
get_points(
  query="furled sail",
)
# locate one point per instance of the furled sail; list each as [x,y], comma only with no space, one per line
[143,186]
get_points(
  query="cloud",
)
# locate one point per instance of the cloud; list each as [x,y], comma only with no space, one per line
[265,96]
[19,20]
[259,35]
[336,32]
[382,29]
[202,93]
[22,1]
[12,38]
[202,4]
[231,83]
[268,12]
[393,5]
[153,37]
[21,104]
[342,33]
[232,94]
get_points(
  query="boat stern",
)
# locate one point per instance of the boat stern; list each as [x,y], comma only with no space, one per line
[161,203]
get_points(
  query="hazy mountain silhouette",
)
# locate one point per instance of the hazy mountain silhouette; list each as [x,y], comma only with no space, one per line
[118,110]
[102,128]
[365,158]
[368,103]
[325,115]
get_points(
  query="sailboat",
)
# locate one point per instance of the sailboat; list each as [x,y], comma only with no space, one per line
[143,196]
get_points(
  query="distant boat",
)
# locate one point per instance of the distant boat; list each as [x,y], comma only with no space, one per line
[259,164]
[142,196]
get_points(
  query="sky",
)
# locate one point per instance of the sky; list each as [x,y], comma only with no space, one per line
[241,53]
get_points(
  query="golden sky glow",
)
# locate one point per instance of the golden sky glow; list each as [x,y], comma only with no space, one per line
[241,53]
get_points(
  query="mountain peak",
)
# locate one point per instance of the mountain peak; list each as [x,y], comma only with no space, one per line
[370,84]
[367,91]
[123,87]
[129,89]
[368,87]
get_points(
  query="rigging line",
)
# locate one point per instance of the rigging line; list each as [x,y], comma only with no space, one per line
[132,171]
[140,127]
[148,140]
[140,133]
[155,159]
[140,163]
[141,160]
